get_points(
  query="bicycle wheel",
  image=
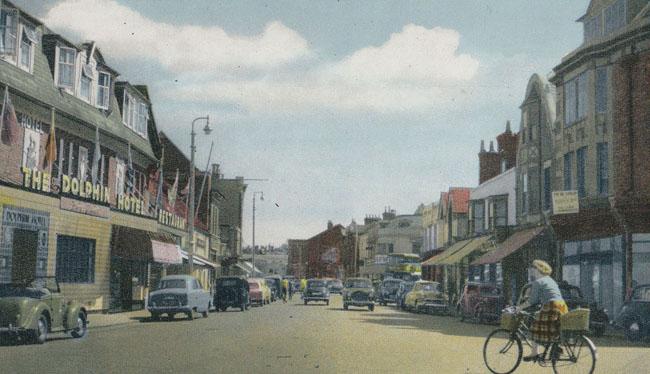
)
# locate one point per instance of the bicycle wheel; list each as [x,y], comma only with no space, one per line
[574,355]
[502,351]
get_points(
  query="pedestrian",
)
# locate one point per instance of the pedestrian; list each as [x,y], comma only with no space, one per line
[545,292]
[285,290]
[290,290]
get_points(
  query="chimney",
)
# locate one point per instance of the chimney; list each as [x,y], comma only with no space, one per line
[482,150]
[215,171]
[489,164]
[507,146]
[329,225]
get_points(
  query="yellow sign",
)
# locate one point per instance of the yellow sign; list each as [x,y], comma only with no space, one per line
[131,204]
[169,219]
[565,202]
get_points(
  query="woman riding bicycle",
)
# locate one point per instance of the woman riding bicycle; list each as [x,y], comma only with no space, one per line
[544,291]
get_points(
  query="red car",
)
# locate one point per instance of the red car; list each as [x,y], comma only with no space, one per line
[255,294]
[481,302]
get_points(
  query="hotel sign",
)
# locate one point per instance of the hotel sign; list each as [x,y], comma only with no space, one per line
[42,181]
[565,202]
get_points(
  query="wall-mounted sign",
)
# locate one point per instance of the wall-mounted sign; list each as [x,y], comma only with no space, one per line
[131,204]
[29,122]
[42,181]
[172,220]
[78,206]
[565,202]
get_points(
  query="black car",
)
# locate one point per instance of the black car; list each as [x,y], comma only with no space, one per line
[275,284]
[404,288]
[316,290]
[634,316]
[388,291]
[231,292]
[335,286]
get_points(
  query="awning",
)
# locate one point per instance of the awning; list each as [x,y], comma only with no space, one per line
[138,245]
[166,253]
[477,244]
[509,246]
[450,251]
[198,260]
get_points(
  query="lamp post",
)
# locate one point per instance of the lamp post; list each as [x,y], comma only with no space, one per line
[206,130]
[253,250]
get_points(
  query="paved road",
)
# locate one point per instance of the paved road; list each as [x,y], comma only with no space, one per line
[288,338]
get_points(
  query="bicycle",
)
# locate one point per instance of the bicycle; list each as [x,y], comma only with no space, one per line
[573,352]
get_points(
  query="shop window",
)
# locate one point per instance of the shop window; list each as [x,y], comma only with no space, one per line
[8,33]
[602,165]
[581,155]
[103,90]
[75,259]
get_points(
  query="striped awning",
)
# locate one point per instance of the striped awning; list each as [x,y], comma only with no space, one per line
[476,245]
[436,260]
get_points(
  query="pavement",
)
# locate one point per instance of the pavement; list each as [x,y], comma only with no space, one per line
[286,338]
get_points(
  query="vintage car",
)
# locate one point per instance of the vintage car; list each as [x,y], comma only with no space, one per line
[231,292]
[404,288]
[179,294]
[482,302]
[275,284]
[598,319]
[358,292]
[33,309]
[256,292]
[427,297]
[634,317]
[316,290]
[388,291]
[335,286]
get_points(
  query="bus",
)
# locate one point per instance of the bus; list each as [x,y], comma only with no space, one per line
[404,266]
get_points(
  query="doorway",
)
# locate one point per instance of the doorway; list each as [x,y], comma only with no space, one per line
[25,247]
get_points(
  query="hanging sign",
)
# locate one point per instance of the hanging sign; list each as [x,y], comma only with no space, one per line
[565,202]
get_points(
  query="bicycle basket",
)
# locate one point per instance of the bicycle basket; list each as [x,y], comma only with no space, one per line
[575,320]
[509,321]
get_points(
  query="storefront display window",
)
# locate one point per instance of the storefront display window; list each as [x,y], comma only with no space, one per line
[596,266]
[641,258]
[75,259]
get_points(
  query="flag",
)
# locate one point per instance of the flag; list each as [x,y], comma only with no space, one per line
[130,174]
[97,155]
[8,120]
[160,180]
[171,194]
[50,148]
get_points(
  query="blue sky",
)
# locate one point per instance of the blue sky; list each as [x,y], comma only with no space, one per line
[345,106]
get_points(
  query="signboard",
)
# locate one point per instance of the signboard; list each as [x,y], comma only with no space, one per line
[565,202]
[83,207]
[330,256]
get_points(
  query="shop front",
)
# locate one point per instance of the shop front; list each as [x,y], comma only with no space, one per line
[138,260]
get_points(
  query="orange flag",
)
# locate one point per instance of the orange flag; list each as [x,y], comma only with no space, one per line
[50,148]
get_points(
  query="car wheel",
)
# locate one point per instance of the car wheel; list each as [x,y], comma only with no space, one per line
[634,330]
[305,302]
[39,335]
[371,307]
[170,316]
[345,306]
[154,316]
[205,313]
[190,315]
[327,302]
[81,328]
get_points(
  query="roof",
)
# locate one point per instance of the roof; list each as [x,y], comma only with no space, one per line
[477,244]
[509,246]
[459,199]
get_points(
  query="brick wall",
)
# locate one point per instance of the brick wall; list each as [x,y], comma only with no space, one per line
[489,165]
[507,147]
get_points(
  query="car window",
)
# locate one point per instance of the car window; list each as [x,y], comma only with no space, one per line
[172,283]
[316,283]
[358,283]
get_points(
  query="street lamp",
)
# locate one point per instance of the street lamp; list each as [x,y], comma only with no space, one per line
[206,130]
[253,251]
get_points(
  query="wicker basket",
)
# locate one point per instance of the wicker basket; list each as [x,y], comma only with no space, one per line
[509,321]
[575,320]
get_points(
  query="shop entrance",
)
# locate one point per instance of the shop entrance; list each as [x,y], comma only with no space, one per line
[25,248]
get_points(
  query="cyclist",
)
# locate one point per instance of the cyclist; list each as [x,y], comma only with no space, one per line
[544,291]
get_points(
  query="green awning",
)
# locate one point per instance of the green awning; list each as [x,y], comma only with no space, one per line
[477,245]
[436,260]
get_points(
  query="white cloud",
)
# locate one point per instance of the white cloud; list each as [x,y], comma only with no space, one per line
[124,33]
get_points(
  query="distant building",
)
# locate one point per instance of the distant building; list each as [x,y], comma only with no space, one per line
[297,258]
[228,196]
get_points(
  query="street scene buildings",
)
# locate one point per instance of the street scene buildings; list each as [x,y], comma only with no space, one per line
[96,197]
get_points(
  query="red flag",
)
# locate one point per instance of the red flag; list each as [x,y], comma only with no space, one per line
[8,120]
[50,148]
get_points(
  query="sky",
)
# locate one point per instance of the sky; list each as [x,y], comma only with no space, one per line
[344,107]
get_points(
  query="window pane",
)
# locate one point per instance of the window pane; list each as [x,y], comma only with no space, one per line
[601,90]
[581,153]
[8,32]
[75,259]
[582,96]
[84,90]
[592,28]
[25,52]
[614,17]
[570,101]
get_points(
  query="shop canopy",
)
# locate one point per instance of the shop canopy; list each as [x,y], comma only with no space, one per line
[436,260]
[509,246]
[197,260]
[476,244]
[140,245]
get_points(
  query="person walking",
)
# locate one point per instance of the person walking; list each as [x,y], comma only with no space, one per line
[545,292]
[290,290]
[285,290]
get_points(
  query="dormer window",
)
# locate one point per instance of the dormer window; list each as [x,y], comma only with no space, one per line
[8,33]
[103,90]
[614,17]
[28,39]
[66,67]
[135,115]
[143,117]
[85,84]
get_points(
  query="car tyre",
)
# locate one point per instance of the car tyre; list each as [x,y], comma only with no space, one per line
[305,302]
[39,335]
[633,330]
[190,315]
[205,313]
[154,317]
[327,302]
[81,329]
[371,307]
[345,306]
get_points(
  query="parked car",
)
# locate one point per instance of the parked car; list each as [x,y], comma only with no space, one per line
[335,286]
[358,292]
[256,292]
[634,317]
[482,302]
[178,294]
[231,292]
[427,297]
[388,291]
[598,319]
[404,288]
[32,310]
[275,284]
[316,290]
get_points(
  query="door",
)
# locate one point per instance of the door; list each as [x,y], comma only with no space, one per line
[25,246]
